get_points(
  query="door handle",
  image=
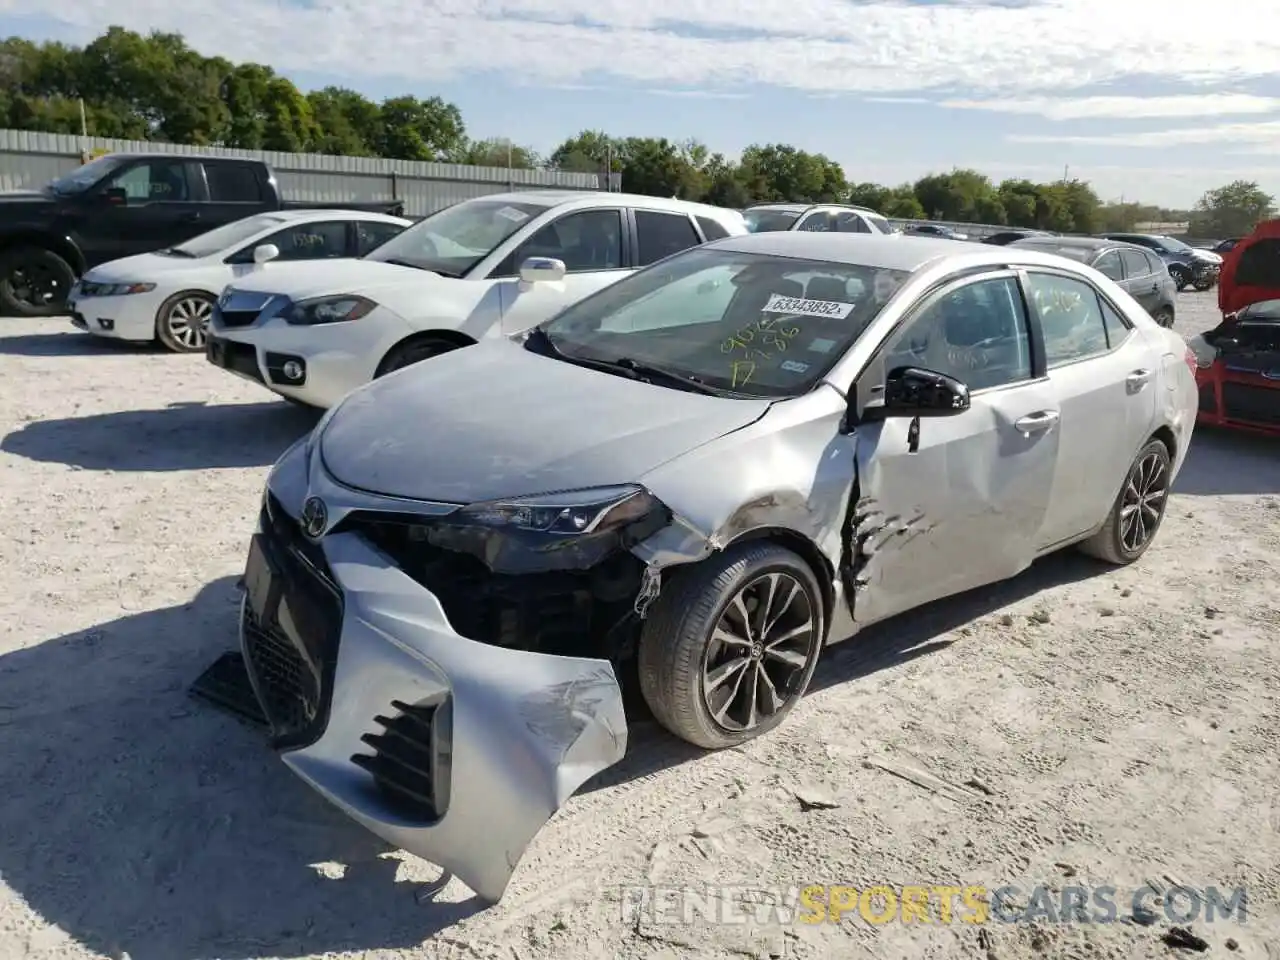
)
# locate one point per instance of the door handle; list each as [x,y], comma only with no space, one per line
[1138,379]
[1037,422]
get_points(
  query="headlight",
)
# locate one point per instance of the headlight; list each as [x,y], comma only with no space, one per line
[119,289]
[571,513]
[320,310]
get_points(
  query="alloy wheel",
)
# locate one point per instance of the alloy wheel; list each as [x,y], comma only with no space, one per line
[188,321]
[1145,494]
[34,284]
[758,652]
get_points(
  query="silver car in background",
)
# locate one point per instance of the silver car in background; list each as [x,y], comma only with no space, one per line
[696,478]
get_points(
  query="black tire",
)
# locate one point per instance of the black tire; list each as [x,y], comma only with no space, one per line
[1181,277]
[1149,473]
[678,649]
[182,322]
[414,351]
[34,282]
[1164,317]
[1202,285]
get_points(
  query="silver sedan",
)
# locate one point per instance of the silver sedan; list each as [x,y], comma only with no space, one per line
[693,480]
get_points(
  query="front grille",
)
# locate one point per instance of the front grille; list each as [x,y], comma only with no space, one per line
[238,318]
[289,685]
[1242,401]
[1208,399]
[292,653]
[410,760]
[237,357]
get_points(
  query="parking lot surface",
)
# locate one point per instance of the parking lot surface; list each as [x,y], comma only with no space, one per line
[1079,726]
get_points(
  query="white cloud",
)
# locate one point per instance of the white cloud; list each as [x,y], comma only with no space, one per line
[1126,108]
[1257,134]
[872,47]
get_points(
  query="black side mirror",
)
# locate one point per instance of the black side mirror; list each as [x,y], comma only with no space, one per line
[915,392]
[114,196]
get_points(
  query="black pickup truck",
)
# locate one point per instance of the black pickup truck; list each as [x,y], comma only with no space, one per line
[122,204]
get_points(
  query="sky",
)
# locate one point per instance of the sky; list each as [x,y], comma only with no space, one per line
[1147,104]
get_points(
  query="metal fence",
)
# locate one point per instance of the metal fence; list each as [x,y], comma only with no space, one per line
[29,159]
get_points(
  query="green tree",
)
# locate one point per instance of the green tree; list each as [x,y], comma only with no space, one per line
[722,184]
[903,204]
[349,124]
[873,195]
[960,195]
[588,152]
[496,152]
[414,129]
[777,172]
[1232,210]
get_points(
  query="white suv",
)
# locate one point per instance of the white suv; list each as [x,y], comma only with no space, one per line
[815,217]
[491,266]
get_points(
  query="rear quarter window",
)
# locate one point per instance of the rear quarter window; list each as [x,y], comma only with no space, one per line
[711,229]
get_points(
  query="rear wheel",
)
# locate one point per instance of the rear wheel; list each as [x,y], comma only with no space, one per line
[1138,510]
[1164,316]
[1203,284]
[34,282]
[182,322]
[414,351]
[731,645]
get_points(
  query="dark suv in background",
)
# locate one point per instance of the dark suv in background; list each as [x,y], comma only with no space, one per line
[1139,271]
[1187,265]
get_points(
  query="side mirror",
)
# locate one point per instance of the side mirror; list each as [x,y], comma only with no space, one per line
[914,392]
[542,270]
[265,252]
[114,196]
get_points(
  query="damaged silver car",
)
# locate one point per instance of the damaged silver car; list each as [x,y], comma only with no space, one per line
[694,479]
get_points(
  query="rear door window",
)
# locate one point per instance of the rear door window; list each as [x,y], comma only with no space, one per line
[662,234]
[311,241]
[1109,265]
[232,183]
[1136,264]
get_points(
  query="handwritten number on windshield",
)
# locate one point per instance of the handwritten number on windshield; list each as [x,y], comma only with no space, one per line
[772,337]
[741,371]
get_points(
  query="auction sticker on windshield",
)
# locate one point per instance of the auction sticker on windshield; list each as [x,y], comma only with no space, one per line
[800,307]
[511,213]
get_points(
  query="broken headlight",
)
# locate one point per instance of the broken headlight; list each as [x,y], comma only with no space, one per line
[571,513]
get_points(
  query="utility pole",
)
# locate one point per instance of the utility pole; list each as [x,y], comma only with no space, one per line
[1066,169]
[84,123]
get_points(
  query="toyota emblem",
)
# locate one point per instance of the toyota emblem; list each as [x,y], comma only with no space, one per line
[315,518]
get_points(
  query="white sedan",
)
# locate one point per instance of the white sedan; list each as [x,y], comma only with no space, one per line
[169,295]
[488,267]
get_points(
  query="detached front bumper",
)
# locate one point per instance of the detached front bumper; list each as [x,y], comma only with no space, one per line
[1238,400]
[456,751]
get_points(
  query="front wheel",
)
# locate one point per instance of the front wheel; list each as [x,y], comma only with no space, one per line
[1180,278]
[1164,317]
[1138,510]
[415,351]
[1203,285]
[731,645]
[34,282]
[182,322]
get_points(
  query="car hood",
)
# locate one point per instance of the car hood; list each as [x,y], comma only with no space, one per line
[144,267]
[1251,270]
[324,278]
[496,420]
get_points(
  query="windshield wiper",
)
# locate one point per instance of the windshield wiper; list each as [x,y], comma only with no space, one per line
[650,372]
[396,261]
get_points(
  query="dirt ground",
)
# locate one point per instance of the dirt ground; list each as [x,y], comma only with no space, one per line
[1078,726]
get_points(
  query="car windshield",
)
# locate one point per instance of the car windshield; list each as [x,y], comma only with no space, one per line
[453,240]
[219,239]
[1177,246]
[84,177]
[1082,254]
[769,221]
[749,324]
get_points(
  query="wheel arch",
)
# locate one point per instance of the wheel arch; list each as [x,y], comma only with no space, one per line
[455,337]
[1165,435]
[808,551]
[64,247]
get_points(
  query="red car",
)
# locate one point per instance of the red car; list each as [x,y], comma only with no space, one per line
[1238,361]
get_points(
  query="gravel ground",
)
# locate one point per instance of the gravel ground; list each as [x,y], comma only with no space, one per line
[1076,726]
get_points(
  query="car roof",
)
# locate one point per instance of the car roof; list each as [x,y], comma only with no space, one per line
[802,207]
[889,251]
[601,198]
[310,215]
[1083,243]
